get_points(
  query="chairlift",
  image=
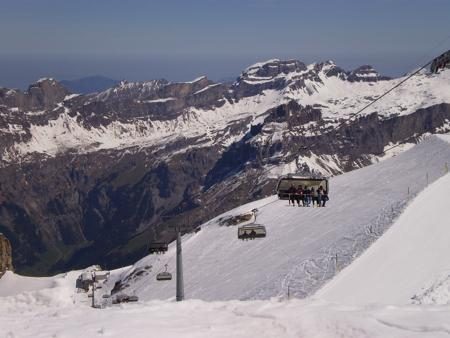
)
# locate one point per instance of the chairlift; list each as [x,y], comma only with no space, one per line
[285,182]
[163,276]
[158,248]
[251,231]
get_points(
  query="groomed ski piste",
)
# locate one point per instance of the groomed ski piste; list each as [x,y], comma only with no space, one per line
[387,224]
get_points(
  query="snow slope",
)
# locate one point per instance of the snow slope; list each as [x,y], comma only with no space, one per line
[413,254]
[304,247]
[50,306]
[54,309]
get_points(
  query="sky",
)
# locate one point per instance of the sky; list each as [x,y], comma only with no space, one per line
[183,39]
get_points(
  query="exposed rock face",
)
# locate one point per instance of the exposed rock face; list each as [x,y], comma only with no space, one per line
[94,178]
[5,255]
[44,94]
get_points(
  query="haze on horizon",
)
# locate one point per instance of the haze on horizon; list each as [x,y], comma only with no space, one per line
[180,40]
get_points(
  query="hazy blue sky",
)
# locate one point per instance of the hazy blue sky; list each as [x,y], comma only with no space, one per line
[181,39]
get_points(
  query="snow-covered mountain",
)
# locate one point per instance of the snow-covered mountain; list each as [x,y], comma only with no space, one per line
[89,176]
[398,287]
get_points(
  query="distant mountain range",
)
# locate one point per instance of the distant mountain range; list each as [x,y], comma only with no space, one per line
[90,84]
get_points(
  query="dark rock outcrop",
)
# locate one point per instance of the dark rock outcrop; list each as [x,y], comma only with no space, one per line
[5,255]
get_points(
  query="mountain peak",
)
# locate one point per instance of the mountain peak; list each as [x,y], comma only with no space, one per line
[272,68]
[365,73]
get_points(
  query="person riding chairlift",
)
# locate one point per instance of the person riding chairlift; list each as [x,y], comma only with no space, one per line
[306,197]
[291,193]
[324,198]
[315,197]
[299,195]
[319,196]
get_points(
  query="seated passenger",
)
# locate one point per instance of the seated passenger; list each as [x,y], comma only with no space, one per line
[313,196]
[319,196]
[306,197]
[291,191]
[299,195]
[324,198]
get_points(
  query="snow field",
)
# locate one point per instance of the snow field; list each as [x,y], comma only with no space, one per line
[195,318]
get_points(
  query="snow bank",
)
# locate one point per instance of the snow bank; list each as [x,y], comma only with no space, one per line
[228,319]
[29,294]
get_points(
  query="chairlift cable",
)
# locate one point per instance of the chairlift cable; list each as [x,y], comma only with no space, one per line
[431,51]
[384,94]
[387,92]
[376,100]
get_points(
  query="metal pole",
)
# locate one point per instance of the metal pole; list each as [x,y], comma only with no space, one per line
[180,285]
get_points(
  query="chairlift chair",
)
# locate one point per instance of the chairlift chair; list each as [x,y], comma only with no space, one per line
[285,182]
[251,231]
[158,248]
[163,276]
